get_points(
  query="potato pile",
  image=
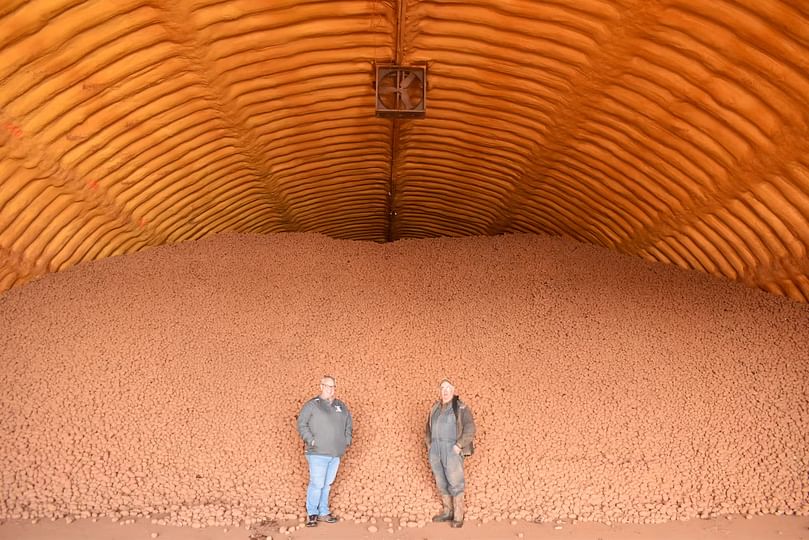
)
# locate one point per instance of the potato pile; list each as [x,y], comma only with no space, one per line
[605,388]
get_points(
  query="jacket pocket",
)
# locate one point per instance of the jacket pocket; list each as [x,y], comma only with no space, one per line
[468,450]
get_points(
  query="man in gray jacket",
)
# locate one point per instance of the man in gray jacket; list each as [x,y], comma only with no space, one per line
[449,434]
[325,426]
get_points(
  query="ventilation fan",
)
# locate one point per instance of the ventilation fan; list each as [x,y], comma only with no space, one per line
[401,91]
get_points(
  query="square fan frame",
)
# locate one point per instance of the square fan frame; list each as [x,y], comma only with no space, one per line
[384,112]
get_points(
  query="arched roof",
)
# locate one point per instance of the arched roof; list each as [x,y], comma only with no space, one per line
[673,130]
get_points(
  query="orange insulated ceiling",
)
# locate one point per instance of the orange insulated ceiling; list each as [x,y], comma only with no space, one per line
[673,130]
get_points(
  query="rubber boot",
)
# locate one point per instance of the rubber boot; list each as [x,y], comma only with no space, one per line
[446,514]
[457,516]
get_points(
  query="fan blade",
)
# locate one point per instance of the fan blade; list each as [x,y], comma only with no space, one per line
[408,80]
[406,100]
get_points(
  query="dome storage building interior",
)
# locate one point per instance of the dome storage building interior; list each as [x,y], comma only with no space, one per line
[593,215]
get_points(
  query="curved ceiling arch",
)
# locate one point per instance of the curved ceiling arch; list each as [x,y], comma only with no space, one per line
[673,130]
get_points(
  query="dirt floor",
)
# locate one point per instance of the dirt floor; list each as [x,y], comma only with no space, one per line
[605,388]
[736,528]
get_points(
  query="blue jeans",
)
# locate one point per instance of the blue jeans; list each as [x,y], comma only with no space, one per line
[322,472]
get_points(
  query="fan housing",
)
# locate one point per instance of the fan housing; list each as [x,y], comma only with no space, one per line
[401,91]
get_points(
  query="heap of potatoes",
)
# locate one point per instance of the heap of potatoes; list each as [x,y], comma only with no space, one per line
[166,384]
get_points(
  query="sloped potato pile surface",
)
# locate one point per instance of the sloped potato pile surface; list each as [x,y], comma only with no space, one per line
[606,388]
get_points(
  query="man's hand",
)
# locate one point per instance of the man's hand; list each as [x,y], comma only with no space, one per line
[456,449]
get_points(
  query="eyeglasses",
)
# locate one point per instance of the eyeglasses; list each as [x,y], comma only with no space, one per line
[328,385]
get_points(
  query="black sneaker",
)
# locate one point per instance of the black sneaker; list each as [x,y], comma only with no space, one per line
[327,518]
[311,521]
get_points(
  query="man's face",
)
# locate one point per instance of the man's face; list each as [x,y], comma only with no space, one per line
[446,391]
[327,387]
